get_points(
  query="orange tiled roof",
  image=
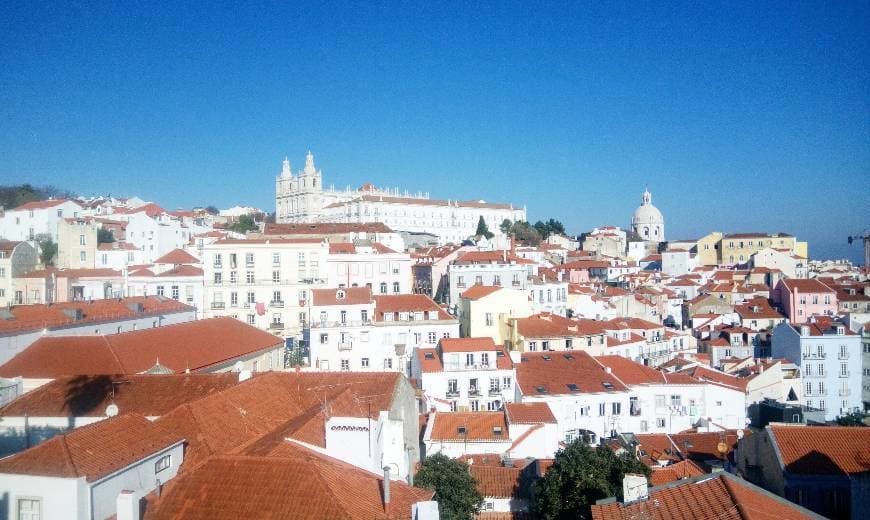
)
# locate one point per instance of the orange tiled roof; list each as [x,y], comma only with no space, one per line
[41,204]
[498,482]
[469,426]
[352,296]
[177,256]
[325,228]
[396,303]
[677,471]
[547,325]
[552,372]
[73,273]
[810,285]
[34,317]
[721,496]
[476,291]
[467,344]
[529,413]
[193,345]
[227,487]
[88,396]
[822,450]
[93,451]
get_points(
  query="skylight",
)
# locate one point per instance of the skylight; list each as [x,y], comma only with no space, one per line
[572,387]
[540,389]
[607,385]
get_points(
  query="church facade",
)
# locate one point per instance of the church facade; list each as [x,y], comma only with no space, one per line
[648,222]
[302,198]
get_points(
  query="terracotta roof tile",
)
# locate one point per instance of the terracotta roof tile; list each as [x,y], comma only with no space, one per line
[346,296]
[476,291]
[498,482]
[677,471]
[41,204]
[93,451]
[177,256]
[469,426]
[397,303]
[557,373]
[548,325]
[810,285]
[325,228]
[467,344]
[823,450]
[529,413]
[193,345]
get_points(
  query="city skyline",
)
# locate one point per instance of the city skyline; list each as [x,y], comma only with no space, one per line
[757,111]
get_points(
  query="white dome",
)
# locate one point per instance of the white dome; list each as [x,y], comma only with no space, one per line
[646,213]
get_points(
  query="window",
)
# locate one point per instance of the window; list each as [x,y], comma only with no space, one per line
[506,382]
[396,287]
[162,463]
[616,408]
[489,319]
[160,290]
[484,359]
[469,359]
[533,346]
[234,277]
[432,338]
[452,386]
[218,261]
[83,256]
[324,338]
[475,406]
[301,259]
[175,292]
[660,422]
[364,315]
[251,297]
[545,345]
[81,240]
[276,276]
[388,363]
[493,385]
[601,409]
[676,401]
[453,406]
[809,388]
[276,258]
[364,362]
[218,278]
[249,259]
[251,319]
[249,277]
[29,509]
[345,364]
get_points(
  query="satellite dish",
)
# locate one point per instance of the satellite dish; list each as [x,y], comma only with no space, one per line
[112,410]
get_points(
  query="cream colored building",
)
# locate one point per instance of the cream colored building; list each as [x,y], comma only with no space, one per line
[791,265]
[738,248]
[264,282]
[486,311]
[708,249]
[76,243]
[16,258]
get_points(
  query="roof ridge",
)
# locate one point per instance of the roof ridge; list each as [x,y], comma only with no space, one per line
[114,355]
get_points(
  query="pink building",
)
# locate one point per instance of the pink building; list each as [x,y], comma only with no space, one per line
[801,299]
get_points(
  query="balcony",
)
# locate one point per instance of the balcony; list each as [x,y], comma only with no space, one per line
[217,305]
[324,324]
[847,373]
[516,283]
[276,303]
[634,412]
[453,393]
[345,345]
[845,391]
[843,355]
[494,392]
[813,355]
[277,325]
[400,349]
[474,392]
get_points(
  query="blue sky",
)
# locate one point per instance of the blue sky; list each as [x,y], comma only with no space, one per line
[738,117]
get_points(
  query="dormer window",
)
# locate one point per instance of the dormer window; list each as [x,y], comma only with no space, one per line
[388,316]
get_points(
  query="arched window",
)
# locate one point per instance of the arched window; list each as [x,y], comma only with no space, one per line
[646,231]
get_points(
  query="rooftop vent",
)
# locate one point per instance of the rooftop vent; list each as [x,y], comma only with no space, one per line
[572,387]
[569,357]
[608,385]
[496,430]
[429,355]
[540,389]
[547,358]
[461,430]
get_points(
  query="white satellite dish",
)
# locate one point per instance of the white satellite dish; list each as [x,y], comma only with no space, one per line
[112,410]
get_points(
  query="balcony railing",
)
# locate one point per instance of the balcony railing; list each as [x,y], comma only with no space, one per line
[843,355]
[217,305]
[276,303]
[516,283]
[635,412]
[276,325]
[845,374]
[813,355]
[494,392]
[453,393]
[474,392]
[345,345]
[332,324]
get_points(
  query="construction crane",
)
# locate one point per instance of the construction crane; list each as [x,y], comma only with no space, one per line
[865,236]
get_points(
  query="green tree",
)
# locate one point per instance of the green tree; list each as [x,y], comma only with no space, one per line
[580,475]
[524,232]
[212,210]
[105,236]
[47,249]
[851,419]
[482,229]
[244,224]
[555,227]
[506,226]
[455,489]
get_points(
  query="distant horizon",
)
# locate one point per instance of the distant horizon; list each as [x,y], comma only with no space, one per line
[738,117]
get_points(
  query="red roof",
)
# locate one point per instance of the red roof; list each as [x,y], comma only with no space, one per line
[296,482]
[347,296]
[325,228]
[396,303]
[469,426]
[177,256]
[559,373]
[822,450]
[490,257]
[722,496]
[93,451]
[41,204]
[194,345]
[88,396]
[529,413]
[476,291]
[810,285]
[548,325]
[35,317]
[468,344]
[677,471]
[498,482]
[631,373]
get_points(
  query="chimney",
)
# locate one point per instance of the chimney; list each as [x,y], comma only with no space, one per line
[127,505]
[634,488]
[386,486]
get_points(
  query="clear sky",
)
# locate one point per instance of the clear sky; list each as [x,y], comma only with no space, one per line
[750,117]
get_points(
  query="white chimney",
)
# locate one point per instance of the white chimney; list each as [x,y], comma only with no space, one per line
[425,510]
[127,505]
[386,486]
[634,488]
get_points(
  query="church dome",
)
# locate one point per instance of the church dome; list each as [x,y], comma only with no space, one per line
[646,213]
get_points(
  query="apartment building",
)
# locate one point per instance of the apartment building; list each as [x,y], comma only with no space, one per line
[16,258]
[490,268]
[76,243]
[37,218]
[801,299]
[368,264]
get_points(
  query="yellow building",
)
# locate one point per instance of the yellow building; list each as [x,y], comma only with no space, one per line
[76,243]
[486,311]
[738,248]
[708,249]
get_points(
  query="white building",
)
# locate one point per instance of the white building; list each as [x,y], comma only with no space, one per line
[828,354]
[648,221]
[119,255]
[65,478]
[264,282]
[366,264]
[16,258]
[548,295]
[678,262]
[351,330]
[302,198]
[465,374]
[37,218]
[177,275]
[488,268]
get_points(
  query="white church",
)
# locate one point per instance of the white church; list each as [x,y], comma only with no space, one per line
[648,221]
[302,198]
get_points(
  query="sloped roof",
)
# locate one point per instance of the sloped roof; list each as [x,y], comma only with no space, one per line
[551,373]
[822,450]
[547,325]
[177,256]
[677,471]
[351,296]
[93,451]
[468,344]
[325,228]
[810,285]
[529,413]
[721,496]
[193,345]
[41,204]
[297,483]
[396,303]
[478,426]
[477,291]
[88,396]
[499,482]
